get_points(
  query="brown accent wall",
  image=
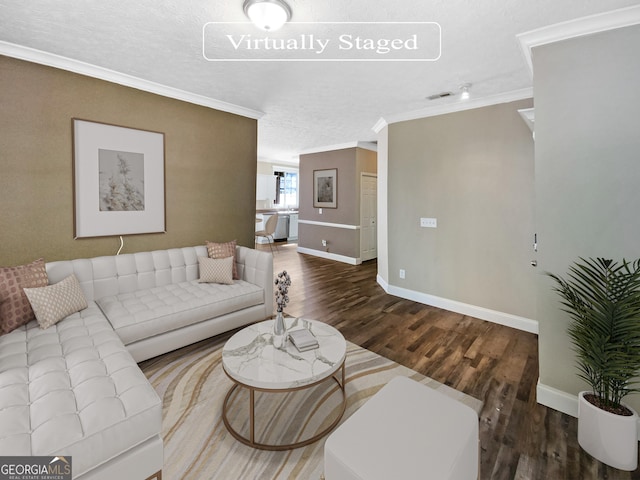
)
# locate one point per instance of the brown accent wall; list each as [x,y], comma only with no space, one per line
[366,162]
[210,164]
[350,163]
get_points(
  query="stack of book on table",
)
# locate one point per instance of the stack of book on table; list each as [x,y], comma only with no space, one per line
[303,339]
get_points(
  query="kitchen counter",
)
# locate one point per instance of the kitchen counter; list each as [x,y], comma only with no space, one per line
[287,228]
[281,211]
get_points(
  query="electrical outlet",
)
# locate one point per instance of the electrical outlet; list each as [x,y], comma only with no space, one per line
[429,222]
[324,243]
[320,211]
[402,273]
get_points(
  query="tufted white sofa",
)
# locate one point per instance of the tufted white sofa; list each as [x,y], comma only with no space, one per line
[75,388]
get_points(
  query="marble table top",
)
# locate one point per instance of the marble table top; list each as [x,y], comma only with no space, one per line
[250,358]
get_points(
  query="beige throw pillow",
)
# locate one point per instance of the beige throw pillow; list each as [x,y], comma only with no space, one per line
[15,309]
[213,270]
[55,302]
[224,250]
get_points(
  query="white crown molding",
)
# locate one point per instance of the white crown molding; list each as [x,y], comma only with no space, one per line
[529,117]
[459,106]
[368,146]
[52,60]
[341,146]
[601,22]
[578,27]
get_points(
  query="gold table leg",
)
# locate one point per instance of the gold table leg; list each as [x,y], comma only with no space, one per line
[252,419]
[251,441]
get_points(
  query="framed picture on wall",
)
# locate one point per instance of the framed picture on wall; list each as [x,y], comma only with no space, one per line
[118,180]
[325,188]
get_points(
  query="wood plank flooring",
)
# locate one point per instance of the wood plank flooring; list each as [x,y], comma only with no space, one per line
[499,365]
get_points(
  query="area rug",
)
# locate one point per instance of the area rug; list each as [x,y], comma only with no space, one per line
[192,385]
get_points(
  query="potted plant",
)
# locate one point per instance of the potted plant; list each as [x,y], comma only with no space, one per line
[602,297]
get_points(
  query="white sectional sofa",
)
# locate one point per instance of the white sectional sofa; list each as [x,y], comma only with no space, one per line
[75,388]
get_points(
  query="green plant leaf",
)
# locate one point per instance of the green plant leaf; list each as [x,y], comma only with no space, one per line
[602,299]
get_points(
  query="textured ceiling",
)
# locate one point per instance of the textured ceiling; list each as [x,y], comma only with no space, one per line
[306,105]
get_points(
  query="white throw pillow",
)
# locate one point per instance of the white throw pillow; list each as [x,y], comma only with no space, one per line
[55,302]
[216,270]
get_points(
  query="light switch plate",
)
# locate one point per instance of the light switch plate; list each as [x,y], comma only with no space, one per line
[429,222]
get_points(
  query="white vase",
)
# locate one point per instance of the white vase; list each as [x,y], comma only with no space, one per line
[279,331]
[610,438]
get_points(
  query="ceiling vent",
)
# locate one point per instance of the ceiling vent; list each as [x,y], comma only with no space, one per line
[439,95]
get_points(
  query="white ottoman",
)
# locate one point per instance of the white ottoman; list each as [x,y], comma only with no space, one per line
[405,431]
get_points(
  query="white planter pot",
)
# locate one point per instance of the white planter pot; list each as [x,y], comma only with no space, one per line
[610,438]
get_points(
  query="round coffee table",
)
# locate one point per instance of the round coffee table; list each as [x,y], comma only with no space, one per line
[251,361]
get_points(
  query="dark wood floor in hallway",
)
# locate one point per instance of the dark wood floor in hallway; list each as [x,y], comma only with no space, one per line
[499,365]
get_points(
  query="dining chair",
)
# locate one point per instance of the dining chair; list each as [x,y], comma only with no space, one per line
[269,230]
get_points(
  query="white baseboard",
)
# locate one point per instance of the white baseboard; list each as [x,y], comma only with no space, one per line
[557,399]
[330,256]
[507,319]
[381,281]
[562,401]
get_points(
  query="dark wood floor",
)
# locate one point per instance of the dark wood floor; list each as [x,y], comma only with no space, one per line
[499,365]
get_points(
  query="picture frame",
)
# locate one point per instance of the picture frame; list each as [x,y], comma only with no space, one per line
[325,188]
[119,180]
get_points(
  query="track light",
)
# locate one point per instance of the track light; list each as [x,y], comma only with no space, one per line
[465,91]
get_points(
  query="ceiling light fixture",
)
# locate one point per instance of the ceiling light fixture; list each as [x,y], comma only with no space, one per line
[268,15]
[465,91]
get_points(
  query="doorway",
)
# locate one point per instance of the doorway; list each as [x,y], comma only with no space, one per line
[368,216]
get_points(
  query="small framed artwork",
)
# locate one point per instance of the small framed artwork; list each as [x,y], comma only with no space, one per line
[118,180]
[325,188]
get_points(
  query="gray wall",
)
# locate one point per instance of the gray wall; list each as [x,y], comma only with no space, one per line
[587,172]
[210,164]
[474,172]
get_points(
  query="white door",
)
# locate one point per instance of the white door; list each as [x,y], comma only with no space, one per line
[368,216]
